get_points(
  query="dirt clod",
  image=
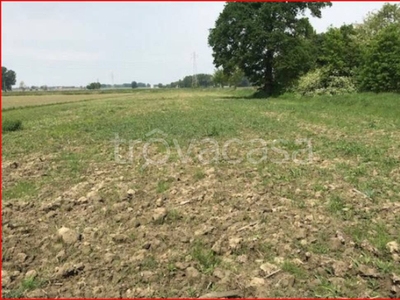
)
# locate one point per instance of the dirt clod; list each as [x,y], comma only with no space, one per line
[21,257]
[368,271]
[31,274]
[257,282]
[393,247]
[159,214]
[68,236]
[192,272]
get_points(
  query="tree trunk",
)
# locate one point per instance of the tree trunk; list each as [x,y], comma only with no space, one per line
[269,80]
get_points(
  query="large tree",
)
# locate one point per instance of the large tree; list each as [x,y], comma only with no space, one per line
[268,41]
[8,79]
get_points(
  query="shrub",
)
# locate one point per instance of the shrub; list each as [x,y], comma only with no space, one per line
[11,125]
[324,82]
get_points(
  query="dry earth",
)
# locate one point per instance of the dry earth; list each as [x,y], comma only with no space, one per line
[217,232]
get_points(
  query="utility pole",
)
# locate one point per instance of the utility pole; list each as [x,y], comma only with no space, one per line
[194,77]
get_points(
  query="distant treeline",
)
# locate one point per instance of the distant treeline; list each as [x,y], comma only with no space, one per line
[219,79]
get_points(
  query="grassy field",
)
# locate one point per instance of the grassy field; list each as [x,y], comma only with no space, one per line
[207,190]
[22,99]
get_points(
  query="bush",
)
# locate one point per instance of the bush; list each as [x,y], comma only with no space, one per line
[324,82]
[11,125]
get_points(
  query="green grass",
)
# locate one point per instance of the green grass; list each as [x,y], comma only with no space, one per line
[162,186]
[20,190]
[206,258]
[26,285]
[293,269]
[355,146]
[11,125]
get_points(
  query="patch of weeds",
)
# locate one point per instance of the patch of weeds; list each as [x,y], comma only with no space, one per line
[266,249]
[373,284]
[173,215]
[171,267]
[319,187]
[205,257]
[149,263]
[192,293]
[27,284]
[384,266]
[264,219]
[11,125]
[163,186]
[377,234]
[14,294]
[300,203]
[199,174]
[326,289]
[20,189]
[335,205]
[30,283]
[381,237]
[319,248]
[291,268]
[132,236]
[370,193]
[358,233]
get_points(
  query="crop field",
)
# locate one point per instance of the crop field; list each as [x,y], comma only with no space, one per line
[182,193]
[42,98]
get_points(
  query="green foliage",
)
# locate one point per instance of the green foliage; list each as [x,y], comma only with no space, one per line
[27,284]
[219,78]
[11,125]
[339,50]
[203,80]
[323,82]
[205,257]
[8,79]
[381,69]
[236,77]
[268,41]
[375,22]
[134,84]
[94,86]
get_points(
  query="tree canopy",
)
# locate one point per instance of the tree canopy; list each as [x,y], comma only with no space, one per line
[94,86]
[8,79]
[268,41]
[381,69]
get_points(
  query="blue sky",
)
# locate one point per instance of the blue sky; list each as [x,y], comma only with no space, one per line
[77,43]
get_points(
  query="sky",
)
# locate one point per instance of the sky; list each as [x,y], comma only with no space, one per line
[72,43]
